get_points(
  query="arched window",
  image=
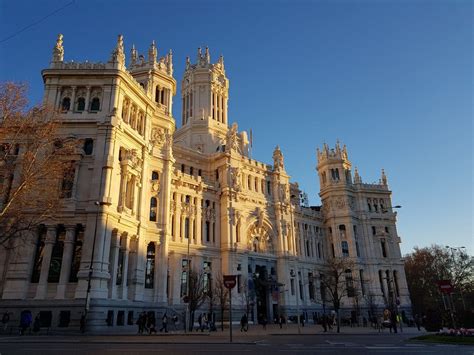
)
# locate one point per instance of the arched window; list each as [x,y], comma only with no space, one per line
[95,104]
[345,248]
[66,104]
[81,104]
[154,175]
[153,204]
[88,146]
[150,265]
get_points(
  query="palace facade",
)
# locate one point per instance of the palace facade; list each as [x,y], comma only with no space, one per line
[149,199]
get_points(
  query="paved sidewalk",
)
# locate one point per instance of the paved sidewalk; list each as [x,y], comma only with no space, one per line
[255,333]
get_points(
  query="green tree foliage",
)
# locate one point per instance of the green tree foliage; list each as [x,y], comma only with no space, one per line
[425,266]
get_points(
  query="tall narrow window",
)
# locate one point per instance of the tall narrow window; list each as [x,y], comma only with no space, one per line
[81,104]
[237,232]
[208,231]
[382,288]
[154,175]
[269,187]
[342,231]
[333,251]
[357,249]
[57,256]
[349,284]
[66,104]
[39,254]
[95,104]
[120,263]
[311,286]
[153,205]
[150,266]
[77,253]
[395,281]
[186,227]
[68,182]
[374,230]
[213,232]
[207,276]
[345,248]
[369,205]
[384,248]
[185,266]
[88,146]
[362,282]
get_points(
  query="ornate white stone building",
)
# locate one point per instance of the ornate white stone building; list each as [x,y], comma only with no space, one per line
[144,191]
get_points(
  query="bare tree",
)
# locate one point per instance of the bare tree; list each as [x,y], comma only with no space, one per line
[197,293]
[221,294]
[246,295]
[34,164]
[338,282]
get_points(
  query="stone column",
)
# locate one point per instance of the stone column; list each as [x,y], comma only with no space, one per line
[198,221]
[73,99]
[114,253]
[42,288]
[66,261]
[88,96]
[126,252]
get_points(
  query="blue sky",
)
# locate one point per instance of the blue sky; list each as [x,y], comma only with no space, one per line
[390,79]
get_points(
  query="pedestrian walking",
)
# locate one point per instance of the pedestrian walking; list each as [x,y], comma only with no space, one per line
[200,322]
[140,321]
[82,323]
[281,320]
[325,322]
[244,323]
[5,321]
[151,324]
[264,322]
[37,324]
[164,323]
[25,321]
[418,321]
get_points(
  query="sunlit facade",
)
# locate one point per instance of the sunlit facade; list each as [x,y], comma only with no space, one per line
[147,198]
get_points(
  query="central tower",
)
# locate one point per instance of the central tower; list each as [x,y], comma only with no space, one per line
[204,95]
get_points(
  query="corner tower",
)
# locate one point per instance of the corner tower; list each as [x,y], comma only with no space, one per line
[204,94]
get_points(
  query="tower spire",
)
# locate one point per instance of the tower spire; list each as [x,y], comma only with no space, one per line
[58,50]
[118,55]
[152,53]
[133,56]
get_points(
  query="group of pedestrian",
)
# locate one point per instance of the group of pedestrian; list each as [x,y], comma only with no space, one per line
[146,323]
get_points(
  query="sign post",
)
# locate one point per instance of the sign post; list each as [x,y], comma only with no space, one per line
[229,282]
[446,287]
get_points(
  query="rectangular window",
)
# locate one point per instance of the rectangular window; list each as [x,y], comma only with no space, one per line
[349,284]
[292,286]
[184,277]
[384,249]
[362,285]
[269,187]
[120,267]
[239,283]
[213,232]
[300,284]
[374,230]
[345,249]
[186,228]
[207,231]
[207,276]
[311,286]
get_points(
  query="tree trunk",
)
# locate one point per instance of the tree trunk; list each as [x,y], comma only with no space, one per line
[338,320]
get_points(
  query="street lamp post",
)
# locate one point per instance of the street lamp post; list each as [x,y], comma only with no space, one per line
[91,266]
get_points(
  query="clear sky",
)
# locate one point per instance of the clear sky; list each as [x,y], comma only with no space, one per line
[390,79]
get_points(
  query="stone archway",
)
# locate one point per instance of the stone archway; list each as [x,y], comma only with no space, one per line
[259,239]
